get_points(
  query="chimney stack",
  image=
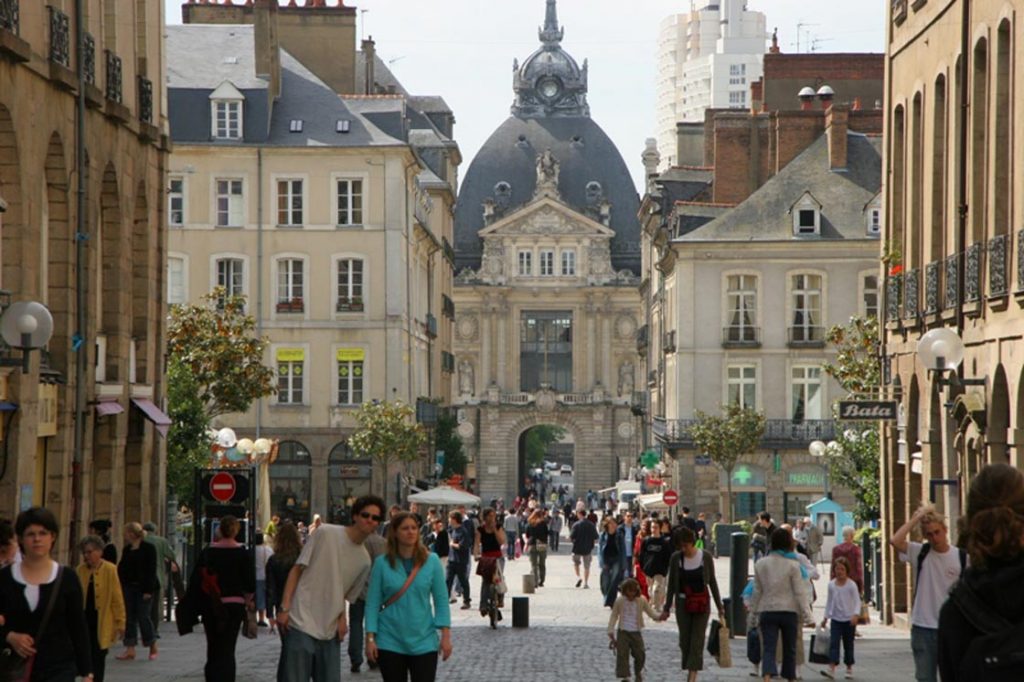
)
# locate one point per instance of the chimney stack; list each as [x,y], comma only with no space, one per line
[369,73]
[806,96]
[837,120]
[266,45]
[826,94]
[651,158]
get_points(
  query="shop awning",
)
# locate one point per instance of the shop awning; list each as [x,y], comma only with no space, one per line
[105,407]
[154,414]
[6,406]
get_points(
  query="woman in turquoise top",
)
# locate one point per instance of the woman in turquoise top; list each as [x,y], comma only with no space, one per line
[402,636]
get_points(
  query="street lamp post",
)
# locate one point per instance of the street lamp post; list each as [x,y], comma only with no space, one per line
[821,450]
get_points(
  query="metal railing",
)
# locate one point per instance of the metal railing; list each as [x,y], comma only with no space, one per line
[741,335]
[893,289]
[952,280]
[145,100]
[89,58]
[431,325]
[642,339]
[113,77]
[9,15]
[972,272]
[998,272]
[777,432]
[932,280]
[806,335]
[60,47]
[911,294]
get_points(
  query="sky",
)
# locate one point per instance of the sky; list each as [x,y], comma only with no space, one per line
[463,50]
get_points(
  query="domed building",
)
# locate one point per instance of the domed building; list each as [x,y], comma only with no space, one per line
[546,305]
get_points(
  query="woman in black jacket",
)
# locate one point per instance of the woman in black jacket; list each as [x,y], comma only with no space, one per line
[61,651]
[140,585]
[223,585]
[287,547]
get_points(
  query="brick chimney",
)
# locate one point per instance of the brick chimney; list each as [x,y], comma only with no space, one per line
[370,67]
[837,120]
[266,44]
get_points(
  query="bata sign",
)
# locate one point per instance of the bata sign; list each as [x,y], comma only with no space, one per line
[867,410]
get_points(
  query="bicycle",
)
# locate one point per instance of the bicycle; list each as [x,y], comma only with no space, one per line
[490,607]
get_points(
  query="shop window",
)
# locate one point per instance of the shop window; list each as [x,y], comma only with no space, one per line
[290,482]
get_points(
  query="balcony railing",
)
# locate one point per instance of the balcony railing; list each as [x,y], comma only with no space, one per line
[952,280]
[447,307]
[899,11]
[447,362]
[911,294]
[805,335]
[516,398]
[113,77]
[893,287]
[778,433]
[431,325]
[349,305]
[60,48]
[642,339]
[449,252]
[294,305]
[735,336]
[932,275]
[576,398]
[972,272]
[9,15]
[998,272]
[89,58]
[145,100]
[668,344]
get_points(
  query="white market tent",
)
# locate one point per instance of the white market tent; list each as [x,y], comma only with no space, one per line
[652,501]
[445,495]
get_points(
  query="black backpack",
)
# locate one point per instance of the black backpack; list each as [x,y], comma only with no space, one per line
[997,655]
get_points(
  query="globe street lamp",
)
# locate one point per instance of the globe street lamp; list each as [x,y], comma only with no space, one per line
[27,326]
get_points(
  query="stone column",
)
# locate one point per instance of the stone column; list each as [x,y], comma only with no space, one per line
[591,313]
[486,375]
[607,378]
[503,324]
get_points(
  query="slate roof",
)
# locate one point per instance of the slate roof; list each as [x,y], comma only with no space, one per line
[843,194]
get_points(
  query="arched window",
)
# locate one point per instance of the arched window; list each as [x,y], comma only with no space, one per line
[290,481]
[348,477]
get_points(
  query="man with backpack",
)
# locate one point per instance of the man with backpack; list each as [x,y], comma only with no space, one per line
[937,566]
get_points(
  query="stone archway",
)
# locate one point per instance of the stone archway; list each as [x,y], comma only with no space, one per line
[13,219]
[517,433]
[996,431]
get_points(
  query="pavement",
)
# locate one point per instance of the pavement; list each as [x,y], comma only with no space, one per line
[565,642]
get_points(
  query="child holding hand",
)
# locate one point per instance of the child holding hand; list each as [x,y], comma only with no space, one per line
[627,638]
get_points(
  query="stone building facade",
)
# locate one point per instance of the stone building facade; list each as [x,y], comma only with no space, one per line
[953,213]
[106,269]
[545,298]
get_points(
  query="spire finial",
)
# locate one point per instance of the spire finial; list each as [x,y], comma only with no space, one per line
[551,34]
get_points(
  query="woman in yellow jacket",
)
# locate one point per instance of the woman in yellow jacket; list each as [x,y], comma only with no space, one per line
[104,602]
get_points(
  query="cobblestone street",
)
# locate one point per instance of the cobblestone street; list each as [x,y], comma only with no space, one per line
[565,641]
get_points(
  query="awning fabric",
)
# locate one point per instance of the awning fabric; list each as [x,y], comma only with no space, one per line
[7,406]
[154,414]
[105,407]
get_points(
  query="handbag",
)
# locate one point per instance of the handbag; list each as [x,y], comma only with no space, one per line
[754,646]
[724,656]
[398,595]
[14,668]
[714,639]
[820,641]
[696,602]
[865,615]
[250,629]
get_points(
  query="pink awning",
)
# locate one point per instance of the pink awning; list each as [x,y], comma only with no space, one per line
[154,414]
[105,407]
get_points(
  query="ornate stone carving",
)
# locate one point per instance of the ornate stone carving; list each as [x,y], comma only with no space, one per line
[626,372]
[466,378]
[545,400]
[547,175]
[625,328]
[467,328]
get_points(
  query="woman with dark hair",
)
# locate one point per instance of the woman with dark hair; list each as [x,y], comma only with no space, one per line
[401,623]
[8,544]
[537,532]
[611,557]
[101,529]
[223,584]
[104,602]
[287,547]
[993,584]
[139,582]
[779,603]
[38,589]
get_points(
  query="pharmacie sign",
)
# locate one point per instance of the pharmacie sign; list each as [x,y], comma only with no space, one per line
[867,410]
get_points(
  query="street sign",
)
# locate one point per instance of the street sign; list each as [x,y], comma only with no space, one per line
[670,497]
[868,410]
[222,486]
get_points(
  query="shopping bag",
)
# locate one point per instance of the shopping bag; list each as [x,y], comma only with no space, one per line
[865,615]
[754,646]
[814,656]
[724,652]
[821,641]
[714,643]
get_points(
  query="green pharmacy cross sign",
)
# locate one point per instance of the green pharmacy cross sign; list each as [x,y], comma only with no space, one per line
[742,476]
[650,459]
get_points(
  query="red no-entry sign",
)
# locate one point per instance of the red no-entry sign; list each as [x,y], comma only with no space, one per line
[670,497]
[222,486]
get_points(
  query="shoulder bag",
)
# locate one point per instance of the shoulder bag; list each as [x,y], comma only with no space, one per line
[14,668]
[398,595]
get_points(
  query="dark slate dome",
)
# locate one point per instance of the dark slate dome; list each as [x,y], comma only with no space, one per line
[550,112]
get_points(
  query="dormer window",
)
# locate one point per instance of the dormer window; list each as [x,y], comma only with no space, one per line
[806,214]
[873,216]
[226,112]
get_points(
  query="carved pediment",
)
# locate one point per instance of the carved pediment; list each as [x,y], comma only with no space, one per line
[543,217]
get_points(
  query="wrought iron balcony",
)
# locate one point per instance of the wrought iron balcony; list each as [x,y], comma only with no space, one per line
[893,287]
[9,15]
[911,293]
[806,336]
[447,362]
[431,325]
[113,77]
[932,274]
[778,433]
[741,336]
[642,339]
[60,47]
[447,306]
[972,272]
[998,272]
[89,58]
[145,100]
[952,280]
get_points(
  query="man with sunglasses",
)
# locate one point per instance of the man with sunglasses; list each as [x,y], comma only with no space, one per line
[331,570]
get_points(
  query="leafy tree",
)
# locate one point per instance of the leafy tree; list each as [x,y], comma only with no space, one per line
[188,446]
[217,344]
[537,441]
[854,456]
[726,438]
[448,440]
[388,433]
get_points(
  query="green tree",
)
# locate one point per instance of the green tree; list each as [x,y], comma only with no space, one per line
[854,457]
[188,446]
[388,433]
[447,439]
[537,441]
[727,437]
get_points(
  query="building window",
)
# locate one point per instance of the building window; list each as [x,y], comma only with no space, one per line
[230,273]
[737,69]
[289,203]
[568,262]
[806,389]
[807,320]
[176,201]
[290,285]
[869,296]
[525,263]
[545,351]
[737,98]
[806,219]
[229,203]
[290,375]
[547,263]
[227,119]
[175,280]
[350,376]
[742,301]
[350,202]
[874,222]
[350,285]
[742,385]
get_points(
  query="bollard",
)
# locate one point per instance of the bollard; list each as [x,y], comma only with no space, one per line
[529,585]
[521,612]
[738,562]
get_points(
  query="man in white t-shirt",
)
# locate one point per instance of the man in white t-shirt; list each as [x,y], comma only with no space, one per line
[330,571]
[937,566]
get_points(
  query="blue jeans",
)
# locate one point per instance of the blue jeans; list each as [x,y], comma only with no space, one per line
[772,623]
[460,572]
[841,630]
[137,611]
[307,657]
[356,611]
[924,642]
